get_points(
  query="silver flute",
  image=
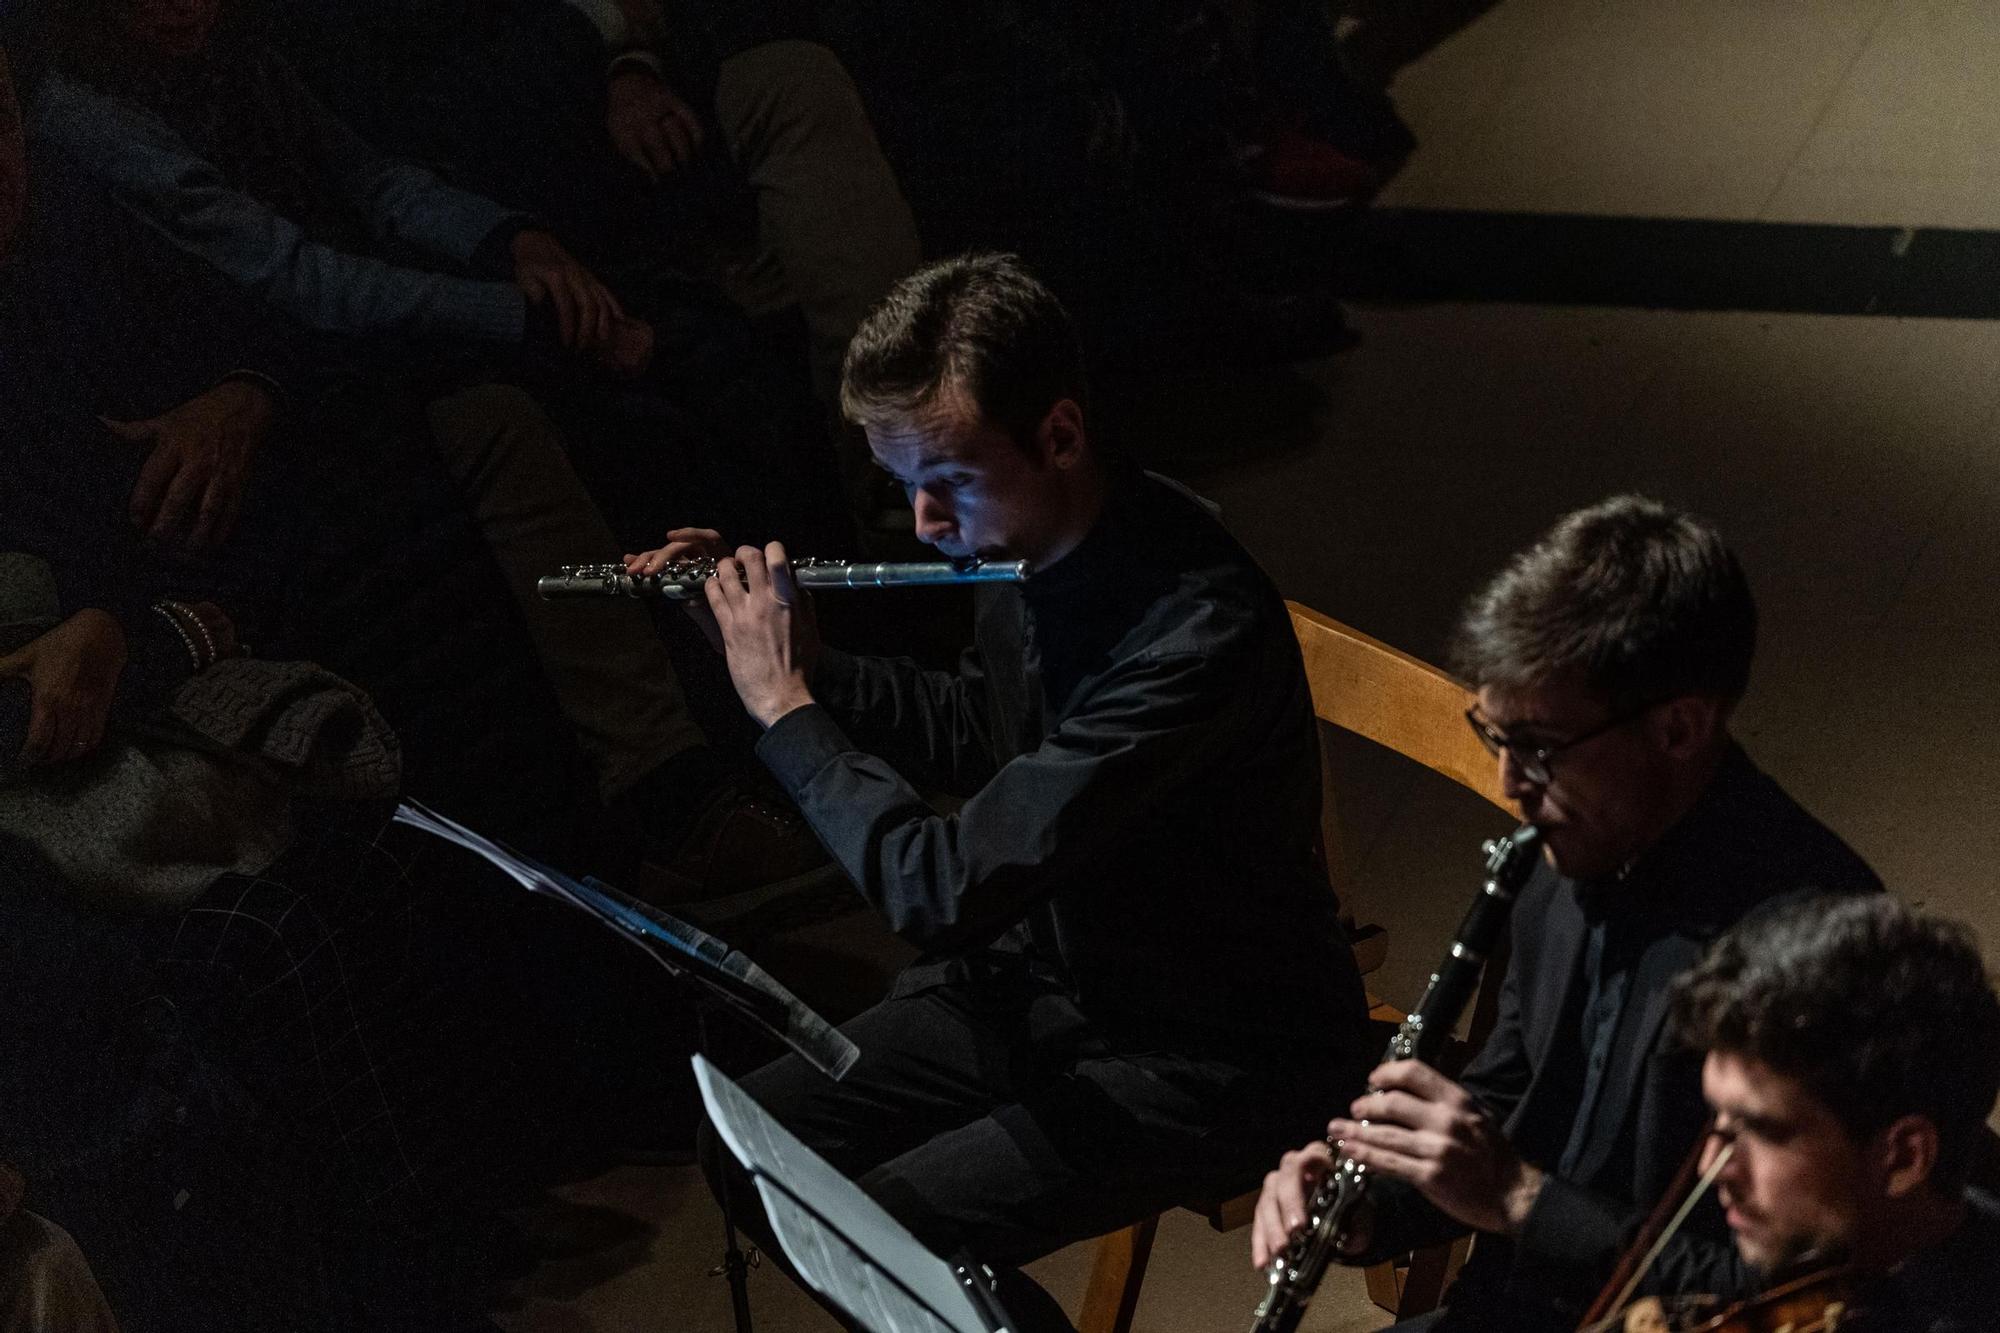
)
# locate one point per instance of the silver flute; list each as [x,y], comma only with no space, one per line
[1295,1274]
[679,580]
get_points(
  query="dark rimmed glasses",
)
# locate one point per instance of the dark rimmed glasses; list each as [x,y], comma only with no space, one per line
[1533,760]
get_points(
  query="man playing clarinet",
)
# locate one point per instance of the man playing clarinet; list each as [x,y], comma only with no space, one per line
[1607,659]
[1134,743]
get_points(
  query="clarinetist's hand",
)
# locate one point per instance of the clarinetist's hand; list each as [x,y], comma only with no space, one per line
[768,631]
[1281,1208]
[1425,1129]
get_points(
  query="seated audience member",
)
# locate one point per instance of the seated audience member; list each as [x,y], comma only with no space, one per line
[580,112]
[204,910]
[45,1282]
[1607,659]
[140,386]
[1134,739]
[1084,137]
[1311,134]
[204,134]
[271,1004]
[1851,1057]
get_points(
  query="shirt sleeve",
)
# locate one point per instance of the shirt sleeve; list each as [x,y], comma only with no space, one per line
[1574,1237]
[932,721]
[1048,820]
[399,201]
[155,177]
[628,27]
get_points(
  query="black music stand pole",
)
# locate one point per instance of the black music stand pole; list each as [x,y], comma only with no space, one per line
[735,1263]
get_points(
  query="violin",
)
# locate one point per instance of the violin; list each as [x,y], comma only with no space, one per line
[1815,1303]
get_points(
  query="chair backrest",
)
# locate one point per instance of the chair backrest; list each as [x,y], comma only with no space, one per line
[1364,686]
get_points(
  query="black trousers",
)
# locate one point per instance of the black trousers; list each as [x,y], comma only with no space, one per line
[992,1118]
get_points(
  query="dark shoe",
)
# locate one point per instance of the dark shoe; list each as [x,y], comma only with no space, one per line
[739,840]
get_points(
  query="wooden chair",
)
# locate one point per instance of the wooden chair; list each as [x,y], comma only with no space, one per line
[1364,686]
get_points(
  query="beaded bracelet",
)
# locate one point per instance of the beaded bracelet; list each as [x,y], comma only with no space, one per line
[201,628]
[165,610]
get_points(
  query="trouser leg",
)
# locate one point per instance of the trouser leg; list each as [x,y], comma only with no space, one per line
[611,674]
[1002,1135]
[830,215]
[928,1062]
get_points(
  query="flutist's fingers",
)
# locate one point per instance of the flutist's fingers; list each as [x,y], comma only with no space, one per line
[727,590]
[783,586]
[682,544]
[756,576]
[718,604]
[768,644]
[695,544]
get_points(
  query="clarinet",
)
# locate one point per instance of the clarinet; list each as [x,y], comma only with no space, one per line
[1295,1274]
[679,580]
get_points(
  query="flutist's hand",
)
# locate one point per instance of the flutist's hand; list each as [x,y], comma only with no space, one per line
[1281,1208]
[768,631]
[682,544]
[1425,1129]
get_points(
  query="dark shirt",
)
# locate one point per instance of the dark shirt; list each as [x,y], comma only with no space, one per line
[1953,1287]
[1134,734]
[1613,948]
[1612,1143]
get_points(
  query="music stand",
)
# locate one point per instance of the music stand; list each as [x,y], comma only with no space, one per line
[714,975]
[844,1245]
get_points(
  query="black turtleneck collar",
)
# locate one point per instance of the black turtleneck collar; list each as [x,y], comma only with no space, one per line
[1100,558]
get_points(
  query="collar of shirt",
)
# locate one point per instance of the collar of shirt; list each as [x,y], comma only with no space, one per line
[1665,885]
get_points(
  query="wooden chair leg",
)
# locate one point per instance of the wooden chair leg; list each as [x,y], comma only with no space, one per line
[1423,1281]
[1385,1285]
[1115,1277]
[1431,1271]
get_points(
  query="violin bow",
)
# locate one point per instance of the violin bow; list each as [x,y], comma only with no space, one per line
[1659,1229]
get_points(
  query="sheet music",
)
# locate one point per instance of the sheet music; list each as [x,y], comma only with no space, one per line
[842,1241]
[833,1267]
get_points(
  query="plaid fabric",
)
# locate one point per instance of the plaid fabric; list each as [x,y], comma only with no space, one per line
[303,1103]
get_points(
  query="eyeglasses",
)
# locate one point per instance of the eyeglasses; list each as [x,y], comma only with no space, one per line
[1534,760]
